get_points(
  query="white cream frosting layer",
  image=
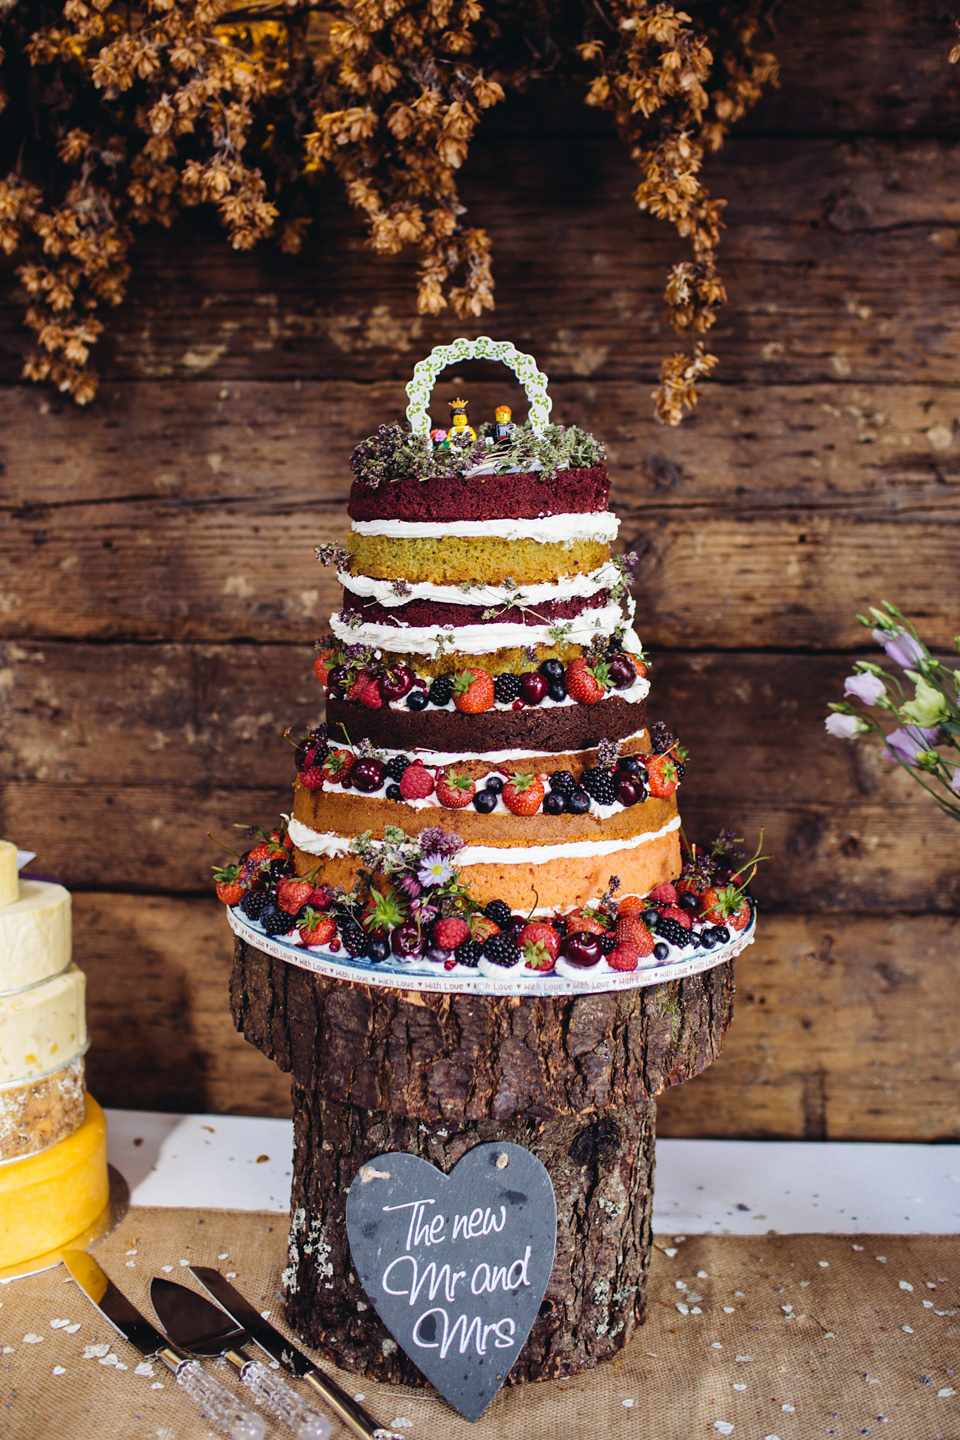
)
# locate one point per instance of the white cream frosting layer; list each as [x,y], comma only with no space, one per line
[438,759]
[330,845]
[478,639]
[567,587]
[44,1027]
[35,935]
[597,525]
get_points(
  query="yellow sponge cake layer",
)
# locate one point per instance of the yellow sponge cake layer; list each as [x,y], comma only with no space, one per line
[459,560]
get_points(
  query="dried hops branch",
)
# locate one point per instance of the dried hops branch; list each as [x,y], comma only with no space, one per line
[165,105]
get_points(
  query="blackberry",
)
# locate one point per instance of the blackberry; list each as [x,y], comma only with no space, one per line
[499,912]
[275,921]
[468,954]
[681,769]
[441,691]
[562,782]
[506,688]
[608,943]
[396,767]
[501,949]
[354,940]
[255,902]
[598,782]
[672,931]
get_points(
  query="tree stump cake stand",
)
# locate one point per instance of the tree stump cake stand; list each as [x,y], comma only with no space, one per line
[573,1079]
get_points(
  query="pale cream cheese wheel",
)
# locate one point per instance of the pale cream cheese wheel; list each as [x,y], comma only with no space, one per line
[9,874]
[43,1027]
[35,935]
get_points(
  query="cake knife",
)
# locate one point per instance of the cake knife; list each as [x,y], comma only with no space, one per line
[215,1403]
[195,1325]
[350,1411]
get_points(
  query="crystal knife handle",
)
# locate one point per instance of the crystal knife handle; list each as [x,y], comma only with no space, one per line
[283,1402]
[350,1411]
[217,1404]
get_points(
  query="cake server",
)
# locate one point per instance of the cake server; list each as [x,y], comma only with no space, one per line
[204,1329]
[216,1404]
[350,1411]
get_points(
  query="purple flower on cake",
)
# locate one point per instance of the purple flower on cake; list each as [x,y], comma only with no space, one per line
[845,727]
[435,870]
[410,886]
[868,688]
[435,841]
[910,742]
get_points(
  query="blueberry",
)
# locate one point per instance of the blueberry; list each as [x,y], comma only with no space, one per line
[660,951]
[553,669]
[708,937]
[651,918]
[494,785]
[723,934]
[394,792]
[688,901]
[417,700]
[438,955]
[630,763]
[554,804]
[557,689]
[484,801]
[578,803]
[377,949]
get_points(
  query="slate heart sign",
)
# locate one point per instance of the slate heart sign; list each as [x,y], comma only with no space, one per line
[456,1265]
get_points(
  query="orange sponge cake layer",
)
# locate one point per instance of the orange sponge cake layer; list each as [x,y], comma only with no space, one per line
[460,560]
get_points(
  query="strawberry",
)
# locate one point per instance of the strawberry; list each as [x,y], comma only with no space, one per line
[523,794]
[312,777]
[366,690]
[482,927]
[337,767]
[539,944]
[632,931]
[473,691]
[682,917]
[584,919]
[587,681]
[293,893]
[725,905]
[625,956]
[231,884]
[662,776]
[450,932]
[639,665]
[324,663]
[665,894]
[631,905]
[317,928]
[416,782]
[455,788]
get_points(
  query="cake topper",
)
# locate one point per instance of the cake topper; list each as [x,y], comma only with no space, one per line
[460,430]
[425,375]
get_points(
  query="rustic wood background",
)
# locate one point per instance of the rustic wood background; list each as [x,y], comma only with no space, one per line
[159,596]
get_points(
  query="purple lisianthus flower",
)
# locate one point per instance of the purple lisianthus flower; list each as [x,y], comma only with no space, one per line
[868,688]
[955,780]
[845,727]
[905,744]
[901,647]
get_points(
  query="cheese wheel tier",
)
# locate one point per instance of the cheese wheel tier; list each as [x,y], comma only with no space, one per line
[51,1198]
[35,938]
[41,1112]
[43,1027]
[489,757]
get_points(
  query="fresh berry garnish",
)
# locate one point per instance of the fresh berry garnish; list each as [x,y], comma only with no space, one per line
[598,782]
[624,956]
[533,686]
[562,782]
[393,792]
[337,682]
[539,945]
[472,690]
[665,894]
[468,954]
[440,692]
[581,949]
[337,767]
[323,664]
[482,927]
[688,900]
[450,931]
[587,680]
[376,949]
[255,902]
[631,905]
[354,939]
[275,921]
[367,775]
[494,785]
[670,929]
[455,788]
[501,950]
[578,802]
[397,682]
[396,766]
[585,921]
[725,905]
[499,912]
[552,669]
[660,951]
[366,690]
[417,700]
[628,792]
[622,672]
[293,894]
[662,776]
[557,689]
[673,912]
[485,802]
[631,764]
[416,782]
[523,794]
[231,886]
[506,688]
[312,778]
[632,931]
[408,940]
[316,928]
[554,804]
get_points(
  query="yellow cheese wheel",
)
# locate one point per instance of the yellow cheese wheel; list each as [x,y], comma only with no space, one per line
[48,1199]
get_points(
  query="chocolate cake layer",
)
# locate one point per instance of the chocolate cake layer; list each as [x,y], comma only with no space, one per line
[555,727]
[482,497]
[440,613]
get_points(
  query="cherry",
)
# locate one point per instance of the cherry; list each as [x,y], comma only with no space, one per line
[367,775]
[533,686]
[581,949]
[376,949]
[337,682]
[628,791]
[408,940]
[622,672]
[439,955]
[396,682]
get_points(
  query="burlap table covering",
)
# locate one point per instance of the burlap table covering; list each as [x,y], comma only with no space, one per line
[792,1337]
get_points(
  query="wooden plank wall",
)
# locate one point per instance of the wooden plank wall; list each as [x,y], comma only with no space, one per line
[159,597]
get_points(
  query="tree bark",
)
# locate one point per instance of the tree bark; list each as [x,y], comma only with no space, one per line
[572,1079]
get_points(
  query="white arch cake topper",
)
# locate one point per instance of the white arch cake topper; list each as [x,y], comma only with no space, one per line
[425,375]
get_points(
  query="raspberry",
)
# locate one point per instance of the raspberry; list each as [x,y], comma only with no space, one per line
[624,957]
[682,917]
[665,894]
[396,767]
[506,688]
[450,932]
[416,782]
